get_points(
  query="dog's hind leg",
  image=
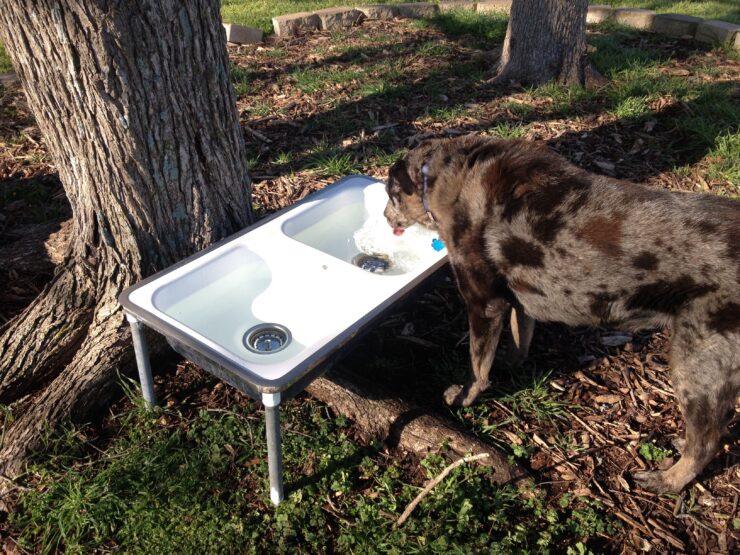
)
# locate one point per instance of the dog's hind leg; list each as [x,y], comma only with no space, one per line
[706,379]
[522,329]
[485,330]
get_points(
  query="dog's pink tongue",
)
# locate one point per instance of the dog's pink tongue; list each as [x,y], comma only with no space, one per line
[397,231]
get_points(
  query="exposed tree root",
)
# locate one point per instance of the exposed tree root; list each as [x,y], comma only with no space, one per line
[64,310]
[382,416]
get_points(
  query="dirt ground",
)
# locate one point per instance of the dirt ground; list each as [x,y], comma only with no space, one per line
[615,387]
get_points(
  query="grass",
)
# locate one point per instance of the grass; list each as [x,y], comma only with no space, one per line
[259,13]
[191,479]
[196,483]
[483,30]
[240,78]
[5,65]
[726,10]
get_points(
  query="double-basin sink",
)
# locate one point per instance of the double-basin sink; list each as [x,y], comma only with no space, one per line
[267,308]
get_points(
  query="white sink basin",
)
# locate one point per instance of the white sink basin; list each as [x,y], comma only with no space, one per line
[292,274]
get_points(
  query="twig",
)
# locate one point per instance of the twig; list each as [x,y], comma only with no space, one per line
[256,134]
[626,375]
[700,523]
[596,434]
[632,522]
[437,480]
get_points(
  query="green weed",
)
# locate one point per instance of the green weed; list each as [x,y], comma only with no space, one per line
[653,453]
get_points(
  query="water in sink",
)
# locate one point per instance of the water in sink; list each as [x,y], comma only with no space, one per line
[405,252]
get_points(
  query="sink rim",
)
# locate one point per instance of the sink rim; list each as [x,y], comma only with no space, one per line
[313,361]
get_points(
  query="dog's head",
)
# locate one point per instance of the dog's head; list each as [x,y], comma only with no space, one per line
[405,189]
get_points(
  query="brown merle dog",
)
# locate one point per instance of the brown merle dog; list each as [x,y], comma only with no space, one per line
[528,231]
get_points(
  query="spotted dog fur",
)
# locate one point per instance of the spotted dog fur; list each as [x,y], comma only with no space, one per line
[528,231]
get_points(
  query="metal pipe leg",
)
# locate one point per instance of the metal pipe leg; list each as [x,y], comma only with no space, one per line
[274,446]
[142,360]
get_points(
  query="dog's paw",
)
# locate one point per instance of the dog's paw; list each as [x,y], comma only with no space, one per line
[653,480]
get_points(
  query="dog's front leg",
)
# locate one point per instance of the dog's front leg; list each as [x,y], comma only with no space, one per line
[485,329]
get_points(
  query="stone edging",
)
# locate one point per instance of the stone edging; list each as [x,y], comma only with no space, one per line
[674,25]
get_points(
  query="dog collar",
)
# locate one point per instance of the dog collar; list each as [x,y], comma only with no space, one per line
[424,200]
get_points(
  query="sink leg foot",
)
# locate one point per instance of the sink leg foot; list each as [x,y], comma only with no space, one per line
[142,360]
[274,446]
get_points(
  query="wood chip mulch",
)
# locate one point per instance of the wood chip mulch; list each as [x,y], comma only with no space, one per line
[614,387]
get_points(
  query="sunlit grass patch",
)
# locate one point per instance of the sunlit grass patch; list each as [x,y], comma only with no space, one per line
[563,99]
[313,80]
[241,79]
[508,130]
[448,113]
[332,162]
[5,65]
[632,107]
[260,109]
[724,160]
[383,158]
[726,10]
[484,30]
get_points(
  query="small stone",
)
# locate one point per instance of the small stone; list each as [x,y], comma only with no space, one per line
[417,10]
[494,6]
[379,11]
[717,32]
[295,24]
[636,18]
[598,13]
[456,6]
[675,25]
[238,34]
[339,18]
[608,399]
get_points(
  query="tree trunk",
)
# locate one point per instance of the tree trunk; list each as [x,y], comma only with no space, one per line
[545,41]
[135,104]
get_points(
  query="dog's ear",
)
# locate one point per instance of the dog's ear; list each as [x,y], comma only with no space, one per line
[399,173]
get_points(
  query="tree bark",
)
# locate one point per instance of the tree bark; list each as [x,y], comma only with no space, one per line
[384,417]
[136,107]
[138,113]
[545,41]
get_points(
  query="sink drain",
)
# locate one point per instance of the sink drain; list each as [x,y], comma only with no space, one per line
[373,263]
[266,339]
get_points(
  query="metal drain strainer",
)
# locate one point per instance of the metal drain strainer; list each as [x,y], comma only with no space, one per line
[266,339]
[374,263]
